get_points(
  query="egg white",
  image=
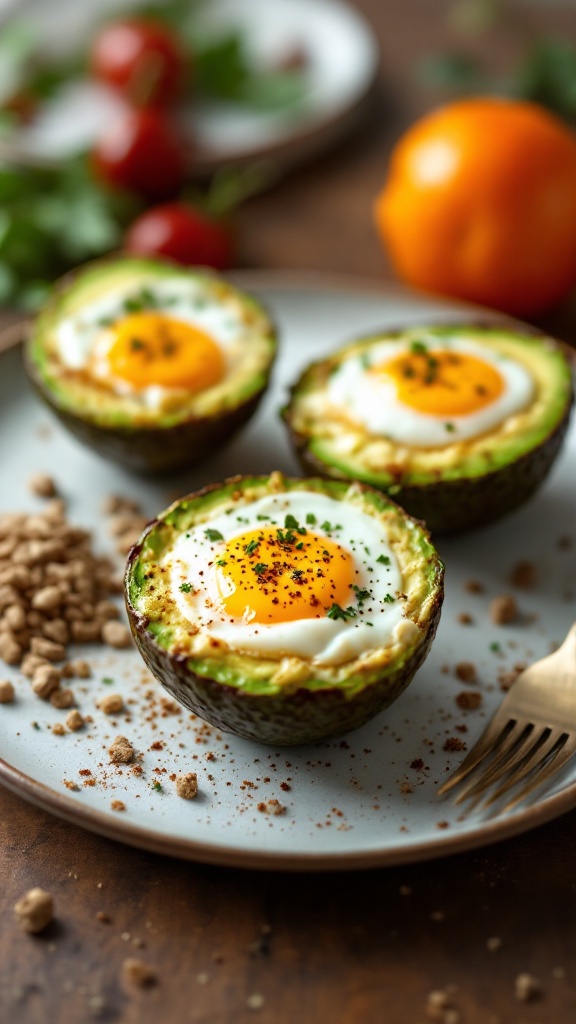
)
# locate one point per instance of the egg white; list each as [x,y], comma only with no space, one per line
[323,641]
[372,401]
[83,341]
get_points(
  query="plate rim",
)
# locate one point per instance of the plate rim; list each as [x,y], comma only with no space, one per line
[301,142]
[101,823]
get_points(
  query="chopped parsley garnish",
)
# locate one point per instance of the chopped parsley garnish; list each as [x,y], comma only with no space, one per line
[158,787]
[291,523]
[311,519]
[388,599]
[260,567]
[213,534]
[449,427]
[361,594]
[144,299]
[186,588]
[328,527]
[299,545]
[383,559]
[251,547]
[137,345]
[35,725]
[418,348]
[107,680]
[285,537]
[337,612]
[495,646]
[221,561]
[263,519]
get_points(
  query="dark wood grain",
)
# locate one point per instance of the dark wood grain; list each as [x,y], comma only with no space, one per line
[358,948]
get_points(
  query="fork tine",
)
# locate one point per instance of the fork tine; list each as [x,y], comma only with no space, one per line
[508,752]
[494,732]
[555,763]
[526,762]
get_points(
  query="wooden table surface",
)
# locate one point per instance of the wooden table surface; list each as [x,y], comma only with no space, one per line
[362,947]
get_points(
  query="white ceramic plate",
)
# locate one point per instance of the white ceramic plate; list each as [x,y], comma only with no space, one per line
[341,64]
[367,799]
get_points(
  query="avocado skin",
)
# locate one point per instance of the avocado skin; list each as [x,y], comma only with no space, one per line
[148,449]
[291,717]
[453,506]
[154,450]
[303,716]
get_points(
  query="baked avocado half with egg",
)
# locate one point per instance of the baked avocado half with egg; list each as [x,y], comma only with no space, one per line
[151,364]
[460,424]
[284,610]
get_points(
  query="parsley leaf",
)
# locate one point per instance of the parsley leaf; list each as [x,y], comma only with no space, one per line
[213,534]
[186,588]
[337,612]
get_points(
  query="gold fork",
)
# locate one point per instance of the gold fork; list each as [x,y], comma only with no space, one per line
[529,739]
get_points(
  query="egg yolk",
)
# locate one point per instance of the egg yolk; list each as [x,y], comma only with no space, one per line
[154,349]
[442,383]
[274,575]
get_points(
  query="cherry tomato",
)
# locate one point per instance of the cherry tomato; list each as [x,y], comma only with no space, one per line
[142,153]
[183,233]
[140,58]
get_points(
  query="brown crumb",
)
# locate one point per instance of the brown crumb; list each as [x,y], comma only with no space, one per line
[137,972]
[6,692]
[526,988]
[118,805]
[187,785]
[469,700]
[45,680]
[111,703]
[465,619]
[80,668]
[406,788]
[454,744]
[74,720]
[524,575]
[506,679]
[493,944]
[121,750]
[62,698]
[474,587]
[58,729]
[466,671]
[34,911]
[42,485]
[503,610]
[271,807]
[103,917]
[116,634]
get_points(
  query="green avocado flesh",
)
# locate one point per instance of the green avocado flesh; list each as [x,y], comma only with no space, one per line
[277,694]
[157,424]
[452,483]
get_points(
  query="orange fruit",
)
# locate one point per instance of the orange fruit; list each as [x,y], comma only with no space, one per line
[480,204]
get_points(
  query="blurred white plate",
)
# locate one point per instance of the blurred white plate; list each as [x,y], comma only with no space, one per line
[366,799]
[342,59]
